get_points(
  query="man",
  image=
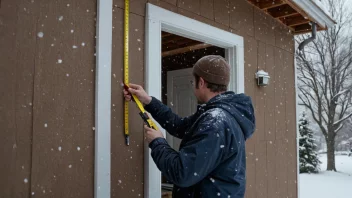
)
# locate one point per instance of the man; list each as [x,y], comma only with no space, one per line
[211,161]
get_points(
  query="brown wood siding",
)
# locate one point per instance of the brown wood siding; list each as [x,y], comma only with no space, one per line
[47,105]
[16,87]
[43,108]
[127,161]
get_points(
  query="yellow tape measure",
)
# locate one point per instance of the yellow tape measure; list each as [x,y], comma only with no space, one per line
[142,113]
[126,72]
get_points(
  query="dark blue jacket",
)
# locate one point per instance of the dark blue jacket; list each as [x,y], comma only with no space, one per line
[211,161]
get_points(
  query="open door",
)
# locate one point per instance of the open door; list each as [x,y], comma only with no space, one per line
[179,54]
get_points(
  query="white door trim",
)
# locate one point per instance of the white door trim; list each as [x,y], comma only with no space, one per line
[159,19]
[103,100]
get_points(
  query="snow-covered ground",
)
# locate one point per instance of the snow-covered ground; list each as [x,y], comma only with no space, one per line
[328,184]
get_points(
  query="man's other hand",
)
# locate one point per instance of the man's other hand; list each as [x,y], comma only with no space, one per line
[151,134]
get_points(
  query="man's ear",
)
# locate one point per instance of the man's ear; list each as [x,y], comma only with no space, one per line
[201,82]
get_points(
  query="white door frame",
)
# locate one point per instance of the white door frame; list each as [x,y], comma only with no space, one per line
[159,19]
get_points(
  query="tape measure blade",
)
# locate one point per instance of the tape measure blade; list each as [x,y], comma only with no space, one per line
[126,115]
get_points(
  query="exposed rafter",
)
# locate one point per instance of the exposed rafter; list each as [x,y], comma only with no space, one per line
[185,49]
[294,14]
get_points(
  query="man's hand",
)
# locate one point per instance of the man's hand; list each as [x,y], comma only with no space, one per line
[151,134]
[138,91]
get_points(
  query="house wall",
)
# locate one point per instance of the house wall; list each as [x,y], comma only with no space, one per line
[43,108]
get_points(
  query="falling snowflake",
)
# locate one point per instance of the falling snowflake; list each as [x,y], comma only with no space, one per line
[59,148]
[59,61]
[40,34]
[25,180]
[78,148]
[222,146]
[45,125]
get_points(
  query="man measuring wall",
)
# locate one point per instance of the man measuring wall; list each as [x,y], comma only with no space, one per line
[211,161]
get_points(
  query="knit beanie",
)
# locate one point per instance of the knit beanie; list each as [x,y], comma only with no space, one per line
[213,69]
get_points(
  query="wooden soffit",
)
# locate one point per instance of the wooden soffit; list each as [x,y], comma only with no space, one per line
[295,14]
[173,44]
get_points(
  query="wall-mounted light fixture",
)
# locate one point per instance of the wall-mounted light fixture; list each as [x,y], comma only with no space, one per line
[262,77]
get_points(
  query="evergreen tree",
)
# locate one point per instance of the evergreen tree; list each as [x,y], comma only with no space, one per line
[308,157]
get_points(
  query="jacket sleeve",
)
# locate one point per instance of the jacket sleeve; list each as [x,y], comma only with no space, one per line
[197,159]
[171,122]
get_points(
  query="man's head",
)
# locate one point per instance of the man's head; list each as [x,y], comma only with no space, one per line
[212,76]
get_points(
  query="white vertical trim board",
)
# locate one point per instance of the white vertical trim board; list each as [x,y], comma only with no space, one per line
[159,19]
[103,100]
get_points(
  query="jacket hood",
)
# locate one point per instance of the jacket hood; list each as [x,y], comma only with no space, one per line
[239,106]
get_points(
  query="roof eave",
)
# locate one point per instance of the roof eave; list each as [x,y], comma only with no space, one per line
[315,13]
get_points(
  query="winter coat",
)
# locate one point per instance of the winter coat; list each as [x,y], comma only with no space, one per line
[211,161]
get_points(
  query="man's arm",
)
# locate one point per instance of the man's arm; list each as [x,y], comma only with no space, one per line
[163,114]
[197,159]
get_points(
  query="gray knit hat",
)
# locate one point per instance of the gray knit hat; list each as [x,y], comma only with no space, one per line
[213,69]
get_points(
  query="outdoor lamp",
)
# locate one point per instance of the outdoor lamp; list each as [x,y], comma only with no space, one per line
[263,78]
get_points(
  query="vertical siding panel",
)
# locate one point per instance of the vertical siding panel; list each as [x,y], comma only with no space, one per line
[270,95]
[190,5]
[8,80]
[281,168]
[136,6]
[25,56]
[241,17]
[250,169]
[173,2]
[250,67]
[271,167]
[164,4]
[127,167]
[117,126]
[260,24]
[207,9]
[64,101]
[260,96]
[272,26]
[261,169]
[279,93]
[222,12]
[291,126]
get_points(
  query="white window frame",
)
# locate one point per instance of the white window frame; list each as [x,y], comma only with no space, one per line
[159,19]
